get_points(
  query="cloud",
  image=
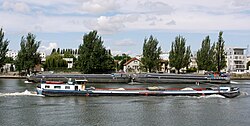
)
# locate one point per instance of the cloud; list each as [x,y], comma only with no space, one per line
[96,6]
[156,7]
[47,49]
[241,3]
[115,16]
[111,24]
[119,52]
[125,42]
[172,22]
[15,6]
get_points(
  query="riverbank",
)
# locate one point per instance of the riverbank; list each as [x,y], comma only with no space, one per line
[12,77]
[240,78]
[7,76]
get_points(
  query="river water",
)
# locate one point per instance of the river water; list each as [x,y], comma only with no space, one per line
[19,106]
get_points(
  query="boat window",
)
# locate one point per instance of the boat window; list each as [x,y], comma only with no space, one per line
[47,86]
[67,87]
[57,87]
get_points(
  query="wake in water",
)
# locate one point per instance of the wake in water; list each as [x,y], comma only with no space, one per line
[243,93]
[201,97]
[234,82]
[25,93]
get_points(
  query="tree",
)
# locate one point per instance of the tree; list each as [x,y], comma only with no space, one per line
[54,62]
[53,51]
[187,57]
[206,56]
[211,55]
[9,60]
[151,54]
[28,56]
[93,56]
[220,53]
[179,56]
[58,50]
[3,48]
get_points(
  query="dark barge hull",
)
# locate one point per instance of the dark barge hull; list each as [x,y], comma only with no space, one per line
[141,93]
[179,78]
[92,78]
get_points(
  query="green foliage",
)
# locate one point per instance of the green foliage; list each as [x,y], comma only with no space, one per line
[58,50]
[53,51]
[3,48]
[54,62]
[28,56]
[206,56]
[187,57]
[68,54]
[220,53]
[93,57]
[179,56]
[191,70]
[9,60]
[122,57]
[151,54]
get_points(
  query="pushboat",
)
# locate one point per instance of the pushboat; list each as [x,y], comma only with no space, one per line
[78,88]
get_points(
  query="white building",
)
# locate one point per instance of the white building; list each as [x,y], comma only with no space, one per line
[43,56]
[236,60]
[133,65]
[69,62]
[164,59]
[193,63]
[12,53]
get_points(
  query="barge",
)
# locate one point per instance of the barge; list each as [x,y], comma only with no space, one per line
[180,78]
[78,88]
[92,78]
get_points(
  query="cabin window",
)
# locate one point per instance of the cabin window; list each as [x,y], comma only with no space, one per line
[57,87]
[47,86]
[67,87]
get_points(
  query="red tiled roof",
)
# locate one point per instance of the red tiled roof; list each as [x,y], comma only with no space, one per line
[133,59]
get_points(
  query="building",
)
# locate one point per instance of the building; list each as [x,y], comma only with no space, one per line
[43,56]
[69,62]
[164,64]
[12,53]
[133,65]
[236,60]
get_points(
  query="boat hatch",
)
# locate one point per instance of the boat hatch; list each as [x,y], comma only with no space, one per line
[80,81]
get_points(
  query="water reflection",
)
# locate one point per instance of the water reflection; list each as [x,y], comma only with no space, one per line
[112,110]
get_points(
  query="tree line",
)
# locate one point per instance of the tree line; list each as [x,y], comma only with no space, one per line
[93,57]
[209,58]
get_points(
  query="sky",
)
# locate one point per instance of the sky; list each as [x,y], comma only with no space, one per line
[124,24]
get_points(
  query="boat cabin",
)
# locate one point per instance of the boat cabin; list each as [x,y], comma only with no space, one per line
[77,85]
